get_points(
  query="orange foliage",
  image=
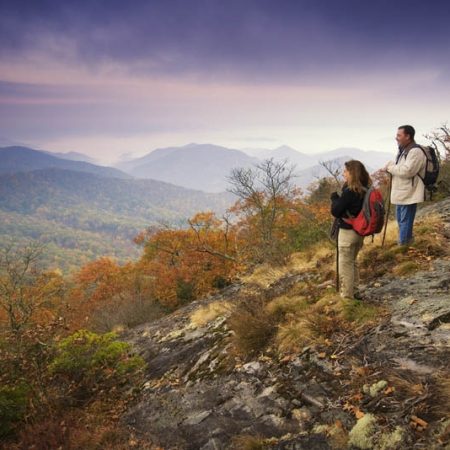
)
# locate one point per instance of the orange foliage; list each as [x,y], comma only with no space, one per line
[95,285]
[201,256]
[179,265]
[38,300]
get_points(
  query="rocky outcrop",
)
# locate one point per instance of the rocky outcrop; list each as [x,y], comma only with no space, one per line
[199,394]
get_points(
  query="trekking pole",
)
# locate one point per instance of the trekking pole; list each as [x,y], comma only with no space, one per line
[388,209]
[337,263]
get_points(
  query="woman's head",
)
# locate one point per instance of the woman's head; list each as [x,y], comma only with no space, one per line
[356,176]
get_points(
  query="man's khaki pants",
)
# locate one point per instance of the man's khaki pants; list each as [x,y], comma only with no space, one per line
[349,243]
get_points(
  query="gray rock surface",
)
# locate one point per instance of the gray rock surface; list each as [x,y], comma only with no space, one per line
[198,394]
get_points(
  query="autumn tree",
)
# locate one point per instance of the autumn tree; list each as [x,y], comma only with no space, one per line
[104,295]
[27,291]
[440,140]
[185,263]
[266,193]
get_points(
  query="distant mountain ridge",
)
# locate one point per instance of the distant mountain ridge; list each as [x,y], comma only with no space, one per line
[73,156]
[374,159]
[202,167]
[195,166]
[206,166]
[23,159]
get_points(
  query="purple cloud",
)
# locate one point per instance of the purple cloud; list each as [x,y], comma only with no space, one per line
[255,39]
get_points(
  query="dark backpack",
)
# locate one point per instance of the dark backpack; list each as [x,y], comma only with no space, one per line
[370,219]
[431,168]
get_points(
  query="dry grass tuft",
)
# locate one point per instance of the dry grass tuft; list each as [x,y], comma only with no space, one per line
[430,241]
[248,442]
[205,314]
[314,324]
[253,326]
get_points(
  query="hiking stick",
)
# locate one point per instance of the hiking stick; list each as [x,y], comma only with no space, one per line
[337,263]
[388,209]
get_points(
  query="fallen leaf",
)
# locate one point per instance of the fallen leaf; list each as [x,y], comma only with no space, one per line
[419,422]
[357,397]
[362,371]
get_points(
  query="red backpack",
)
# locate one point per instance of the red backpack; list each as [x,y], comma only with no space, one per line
[370,219]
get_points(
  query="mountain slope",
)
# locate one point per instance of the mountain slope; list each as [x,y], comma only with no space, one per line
[72,156]
[28,192]
[24,159]
[383,385]
[82,213]
[195,166]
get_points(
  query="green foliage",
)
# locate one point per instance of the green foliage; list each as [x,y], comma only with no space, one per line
[405,268]
[358,311]
[13,405]
[220,282]
[82,217]
[308,233]
[443,182]
[88,361]
[185,290]
[320,190]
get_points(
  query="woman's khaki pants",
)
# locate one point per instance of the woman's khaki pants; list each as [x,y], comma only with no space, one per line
[349,243]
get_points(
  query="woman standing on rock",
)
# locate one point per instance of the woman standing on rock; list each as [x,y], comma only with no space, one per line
[349,242]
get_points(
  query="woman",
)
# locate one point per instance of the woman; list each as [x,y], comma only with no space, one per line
[349,204]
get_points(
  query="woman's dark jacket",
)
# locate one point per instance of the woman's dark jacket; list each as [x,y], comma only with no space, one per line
[350,201]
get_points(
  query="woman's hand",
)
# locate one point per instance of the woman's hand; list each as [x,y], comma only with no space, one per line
[334,195]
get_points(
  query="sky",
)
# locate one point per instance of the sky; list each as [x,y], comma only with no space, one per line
[108,78]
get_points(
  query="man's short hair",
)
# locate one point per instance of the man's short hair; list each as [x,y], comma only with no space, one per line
[408,129]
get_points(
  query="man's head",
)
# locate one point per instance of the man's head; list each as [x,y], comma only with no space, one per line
[405,135]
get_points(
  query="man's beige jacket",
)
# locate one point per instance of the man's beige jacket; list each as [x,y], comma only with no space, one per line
[407,187]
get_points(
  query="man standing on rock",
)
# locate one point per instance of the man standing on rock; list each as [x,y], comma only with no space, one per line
[407,187]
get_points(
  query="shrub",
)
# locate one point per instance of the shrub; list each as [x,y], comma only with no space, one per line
[253,325]
[358,311]
[185,290]
[13,405]
[127,313]
[405,268]
[308,233]
[87,362]
[248,442]
[316,323]
[287,306]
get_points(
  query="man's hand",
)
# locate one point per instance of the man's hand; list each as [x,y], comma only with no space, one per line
[387,166]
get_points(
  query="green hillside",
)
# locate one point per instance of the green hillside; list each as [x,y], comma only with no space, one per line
[83,216]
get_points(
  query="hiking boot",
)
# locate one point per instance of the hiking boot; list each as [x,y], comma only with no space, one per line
[356,296]
[407,243]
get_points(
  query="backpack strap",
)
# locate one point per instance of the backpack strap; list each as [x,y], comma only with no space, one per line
[426,156]
[366,202]
[365,205]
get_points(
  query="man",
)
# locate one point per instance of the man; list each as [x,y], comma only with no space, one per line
[407,189]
